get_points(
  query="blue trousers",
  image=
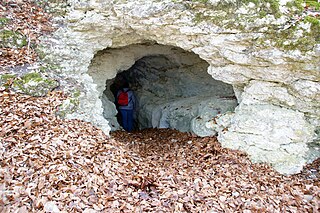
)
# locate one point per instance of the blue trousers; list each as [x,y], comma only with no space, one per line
[127,119]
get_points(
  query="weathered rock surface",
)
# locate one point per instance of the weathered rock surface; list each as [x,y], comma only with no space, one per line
[32,83]
[273,67]
[12,39]
[274,134]
[172,87]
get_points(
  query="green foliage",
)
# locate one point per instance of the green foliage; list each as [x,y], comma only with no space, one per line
[286,39]
[314,4]
[267,6]
[256,2]
[5,80]
[5,34]
[76,94]
[11,38]
[303,44]
[55,7]
[3,21]
[274,6]
[40,52]
[6,77]
[201,1]
[313,20]
[33,76]
[31,83]
[298,4]
[34,84]
[315,27]
[262,14]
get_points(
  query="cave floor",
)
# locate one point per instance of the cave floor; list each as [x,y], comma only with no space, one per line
[50,164]
[186,173]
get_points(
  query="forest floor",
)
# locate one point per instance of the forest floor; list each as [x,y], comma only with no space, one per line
[49,165]
[52,165]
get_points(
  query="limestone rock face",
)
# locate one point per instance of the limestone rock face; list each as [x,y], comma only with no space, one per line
[172,87]
[272,67]
[109,112]
[276,135]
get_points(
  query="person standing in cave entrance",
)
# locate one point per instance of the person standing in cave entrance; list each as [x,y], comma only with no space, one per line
[126,101]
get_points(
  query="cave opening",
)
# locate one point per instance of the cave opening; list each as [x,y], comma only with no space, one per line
[172,87]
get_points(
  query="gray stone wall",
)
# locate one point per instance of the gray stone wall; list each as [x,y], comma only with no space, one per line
[172,87]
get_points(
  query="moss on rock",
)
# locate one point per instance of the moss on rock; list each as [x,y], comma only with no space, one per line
[288,35]
[313,4]
[315,27]
[6,80]
[69,105]
[287,39]
[34,84]
[12,39]
[3,21]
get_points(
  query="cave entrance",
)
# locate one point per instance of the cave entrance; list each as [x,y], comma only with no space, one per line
[171,85]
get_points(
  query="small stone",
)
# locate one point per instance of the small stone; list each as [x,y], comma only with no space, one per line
[51,207]
[181,192]
[235,194]
[308,197]
[135,195]
[222,198]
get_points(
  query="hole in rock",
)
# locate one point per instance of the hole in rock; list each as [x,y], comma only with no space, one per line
[172,88]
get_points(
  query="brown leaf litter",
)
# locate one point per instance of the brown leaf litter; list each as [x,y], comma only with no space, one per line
[28,18]
[51,165]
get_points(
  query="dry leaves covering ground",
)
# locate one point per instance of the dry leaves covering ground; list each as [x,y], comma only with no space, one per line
[29,19]
[52,165]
